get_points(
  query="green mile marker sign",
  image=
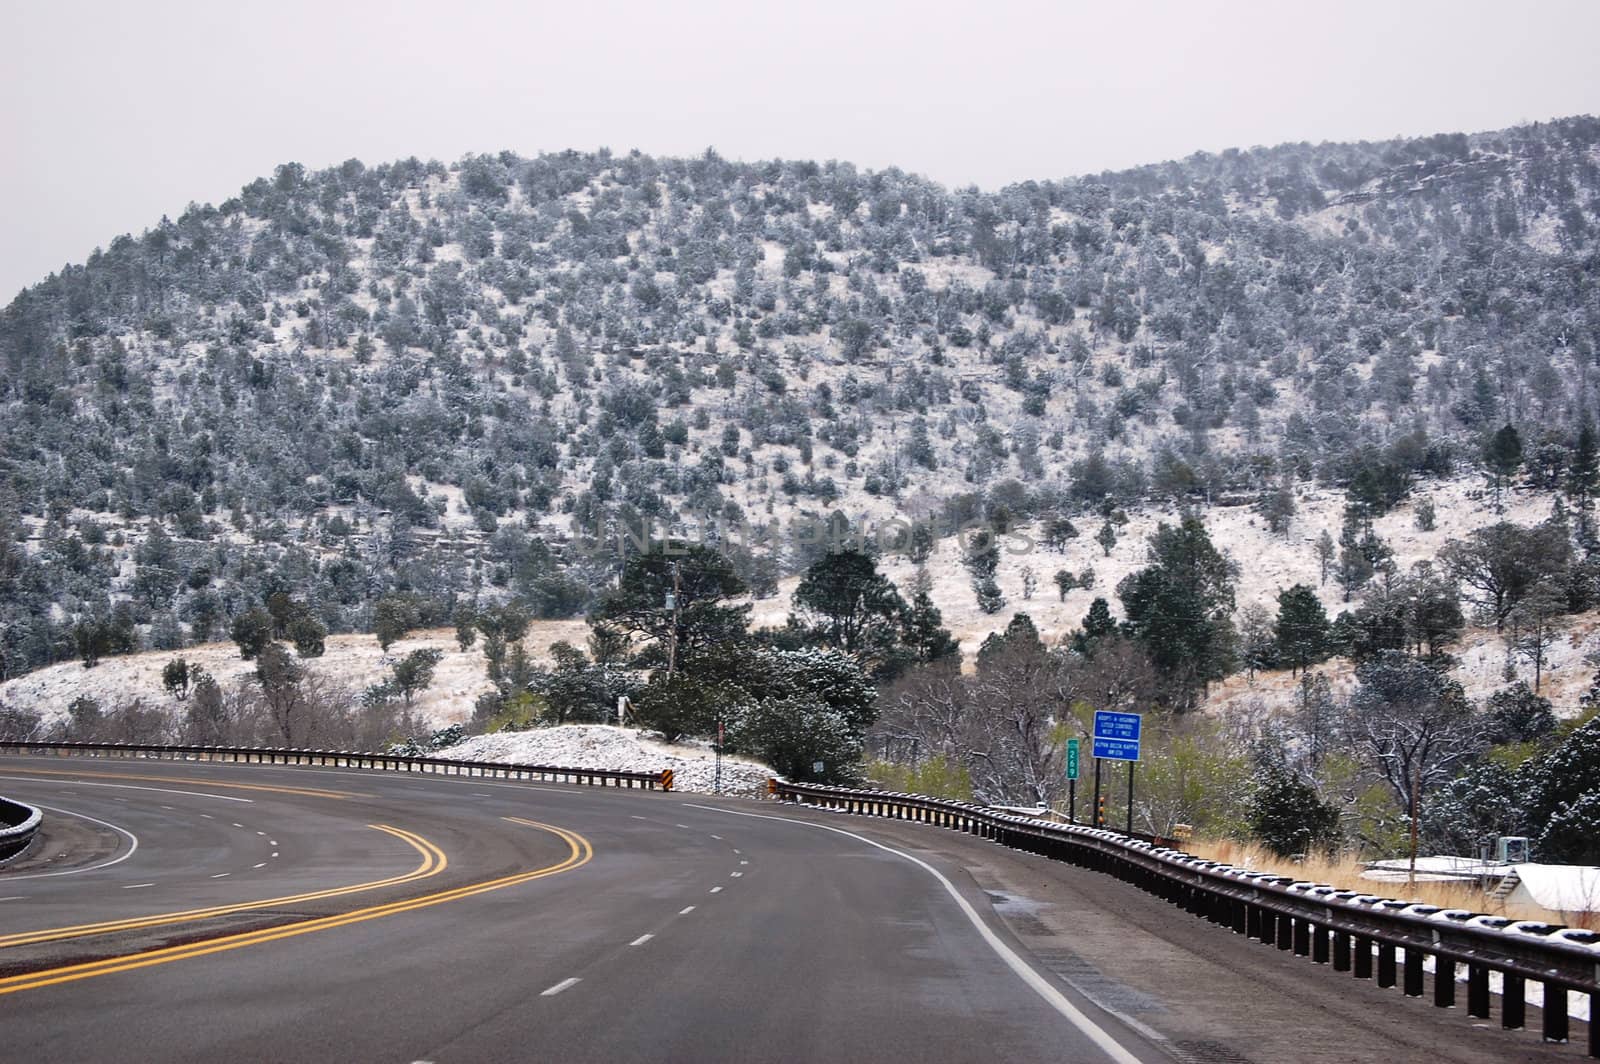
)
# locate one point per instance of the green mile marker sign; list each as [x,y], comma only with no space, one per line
[1072,759]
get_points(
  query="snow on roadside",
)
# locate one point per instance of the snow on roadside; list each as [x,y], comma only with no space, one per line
[606,746]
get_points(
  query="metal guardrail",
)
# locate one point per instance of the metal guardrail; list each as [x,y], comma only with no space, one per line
[1344,929]
[18,824]
[598,777]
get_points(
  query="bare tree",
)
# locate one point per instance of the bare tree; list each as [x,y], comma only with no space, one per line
[1536,625]
[1415,726]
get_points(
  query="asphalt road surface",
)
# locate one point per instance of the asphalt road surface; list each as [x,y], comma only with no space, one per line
[193,912]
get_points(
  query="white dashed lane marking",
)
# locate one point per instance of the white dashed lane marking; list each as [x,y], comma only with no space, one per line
[565,984]
[716,890]
[222,875]
[641,940]
[136,886]
[686,910]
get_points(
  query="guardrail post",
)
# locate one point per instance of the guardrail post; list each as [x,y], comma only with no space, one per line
[1385,964]
[1513,1002]
[1302,937]
[1477,991]
[1341,951]
[1413,976]
[1319,944]
[1444,983]
[1363,956]
[1555,1012]
[1286,932]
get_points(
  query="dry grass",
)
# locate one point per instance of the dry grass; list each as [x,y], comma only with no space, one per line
[1344,871]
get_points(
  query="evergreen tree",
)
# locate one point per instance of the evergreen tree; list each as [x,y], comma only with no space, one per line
[843,601]
[1096,626]
[1503,455]
[1583,478]
[1303,632]
[1288,815]
[923,633]
[702,623]
[1179,609]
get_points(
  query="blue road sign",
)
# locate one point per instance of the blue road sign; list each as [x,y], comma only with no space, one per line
[1116,749]
[1124,726]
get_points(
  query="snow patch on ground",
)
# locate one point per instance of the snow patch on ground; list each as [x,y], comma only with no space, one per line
[623,749]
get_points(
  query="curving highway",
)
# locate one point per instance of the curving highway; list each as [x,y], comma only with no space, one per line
[195,912]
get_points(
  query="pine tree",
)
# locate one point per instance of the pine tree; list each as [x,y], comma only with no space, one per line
[1303,631]
[922,631]
[1503,455]
[1326,552]
[1179,608]
[1583,476]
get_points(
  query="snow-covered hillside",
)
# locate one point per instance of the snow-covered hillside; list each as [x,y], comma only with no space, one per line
[603,746]
[1268,563]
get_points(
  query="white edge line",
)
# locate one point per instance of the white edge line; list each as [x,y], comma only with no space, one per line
[133,845]
[559,987]
[1055,998]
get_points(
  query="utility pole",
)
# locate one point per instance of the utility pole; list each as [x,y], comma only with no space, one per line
[1416,785]
[672,604]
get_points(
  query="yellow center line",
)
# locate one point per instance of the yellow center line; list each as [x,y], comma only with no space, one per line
[302,791]
[579,853]
[433,862]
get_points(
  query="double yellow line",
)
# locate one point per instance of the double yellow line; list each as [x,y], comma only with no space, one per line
[433,862]
[579,853]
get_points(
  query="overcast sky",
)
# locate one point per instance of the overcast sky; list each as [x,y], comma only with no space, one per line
[113,114]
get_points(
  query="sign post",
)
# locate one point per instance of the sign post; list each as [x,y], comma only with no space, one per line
[1116,738]
[1131,766]
[717,787]
[1072,781]
[1098,809]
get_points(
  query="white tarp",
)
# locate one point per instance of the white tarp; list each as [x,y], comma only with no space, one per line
[1560,888]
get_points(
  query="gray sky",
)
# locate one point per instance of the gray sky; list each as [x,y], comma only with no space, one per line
[113,114]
